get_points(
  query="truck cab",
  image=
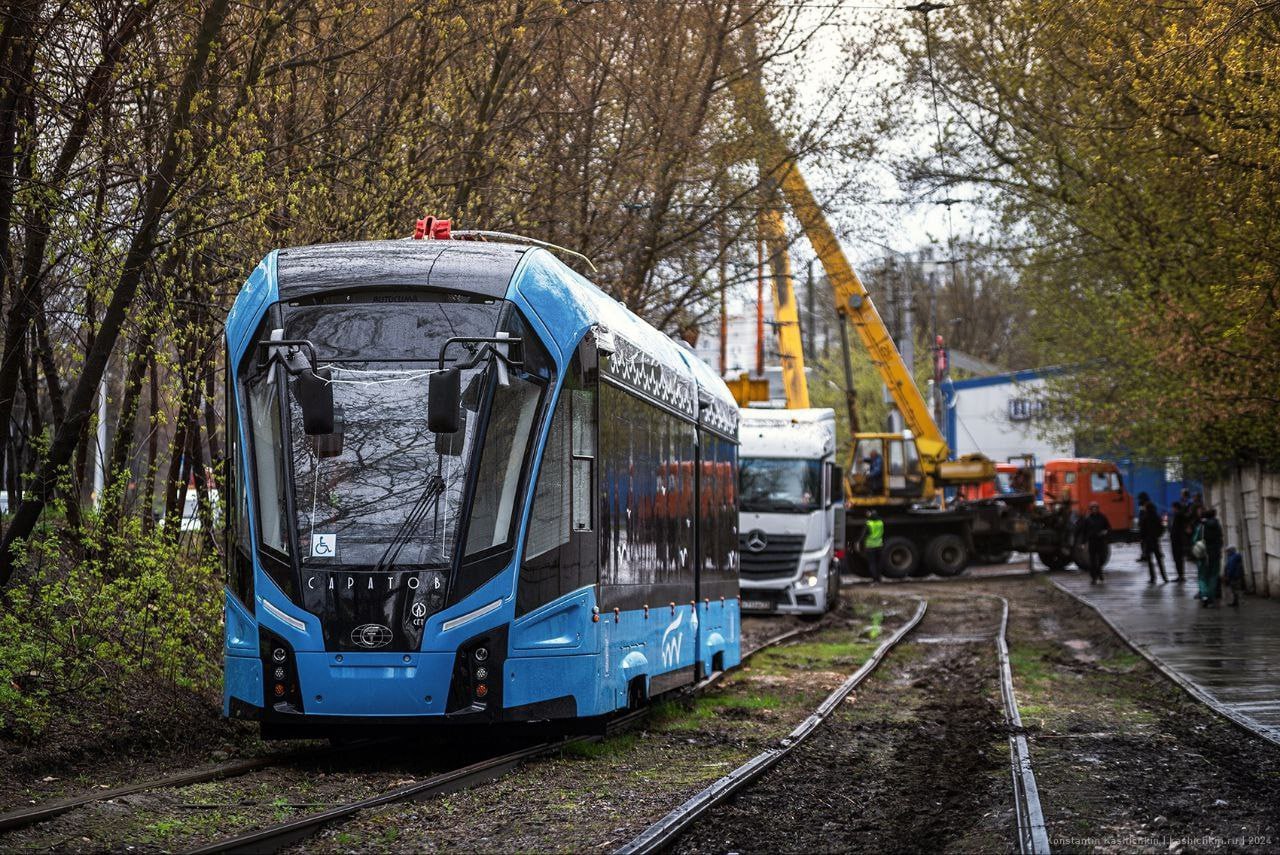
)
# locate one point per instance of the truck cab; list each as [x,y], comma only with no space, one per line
[1081,480]
[791,511]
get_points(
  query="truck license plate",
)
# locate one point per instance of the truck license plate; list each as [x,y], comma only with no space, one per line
[758,606]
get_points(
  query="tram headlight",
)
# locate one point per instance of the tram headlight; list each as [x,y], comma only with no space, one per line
[482,673]
[278,654]
[279,672]
[481,654]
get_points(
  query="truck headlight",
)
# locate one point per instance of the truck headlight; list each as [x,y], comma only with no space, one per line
[809,574]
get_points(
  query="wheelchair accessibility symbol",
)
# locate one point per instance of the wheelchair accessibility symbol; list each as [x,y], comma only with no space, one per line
[324,545]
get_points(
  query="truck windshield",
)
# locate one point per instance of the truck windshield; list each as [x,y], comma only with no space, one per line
[779,485]
[391,494]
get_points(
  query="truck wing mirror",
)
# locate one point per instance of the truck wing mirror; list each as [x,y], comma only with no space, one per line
[837,485]
[444,397]
[315,396]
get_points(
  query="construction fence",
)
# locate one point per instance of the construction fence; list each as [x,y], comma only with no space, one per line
[1248,503]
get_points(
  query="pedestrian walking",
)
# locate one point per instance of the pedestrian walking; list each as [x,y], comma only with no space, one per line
[1095,530]
[873,544]
[1150,529]
[1206,547]
[1179,538]
[1143,557]
[1233,570]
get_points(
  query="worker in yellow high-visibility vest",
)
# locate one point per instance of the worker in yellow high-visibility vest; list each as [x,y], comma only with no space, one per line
[873,543]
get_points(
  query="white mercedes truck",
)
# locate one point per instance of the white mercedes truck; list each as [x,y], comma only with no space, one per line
[791,511]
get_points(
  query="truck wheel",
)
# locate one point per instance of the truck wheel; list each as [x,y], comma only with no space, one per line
[946,555]
[900,558]
[1080,554]
[1054,560]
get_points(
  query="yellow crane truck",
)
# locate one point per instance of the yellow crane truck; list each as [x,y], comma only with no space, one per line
[901,476]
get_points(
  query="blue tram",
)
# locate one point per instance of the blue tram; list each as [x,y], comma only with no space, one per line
[466,485]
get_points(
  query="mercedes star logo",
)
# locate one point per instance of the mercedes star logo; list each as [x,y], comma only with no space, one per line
[756,540]
[371,635]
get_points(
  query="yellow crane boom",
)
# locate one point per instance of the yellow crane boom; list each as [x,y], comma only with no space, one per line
[786,314]
[777,163]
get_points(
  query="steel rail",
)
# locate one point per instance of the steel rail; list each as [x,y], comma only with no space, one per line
[1253,727]
[276,837]
[230,769]
[273,838]
[13,820]
[931,579]
[1033,836]
[661,833]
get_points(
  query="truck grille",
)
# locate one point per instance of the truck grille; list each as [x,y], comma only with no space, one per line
[778,560]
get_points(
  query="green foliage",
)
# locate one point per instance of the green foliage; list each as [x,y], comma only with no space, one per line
[1131,150]
[99,610]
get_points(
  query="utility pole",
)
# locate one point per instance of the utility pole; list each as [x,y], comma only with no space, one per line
[724,309]
[759,304]
[809,343]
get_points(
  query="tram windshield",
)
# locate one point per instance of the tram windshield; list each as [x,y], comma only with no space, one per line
[777,485]
[390,494]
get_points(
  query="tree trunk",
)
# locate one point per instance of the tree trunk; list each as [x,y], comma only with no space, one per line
[141,249]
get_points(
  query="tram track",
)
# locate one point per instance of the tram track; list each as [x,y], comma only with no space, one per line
[18,819]
[282,834]
[48,810]
[1029,820]
[277,837]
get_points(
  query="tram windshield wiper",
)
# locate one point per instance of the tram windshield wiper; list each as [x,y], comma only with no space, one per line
[427,502]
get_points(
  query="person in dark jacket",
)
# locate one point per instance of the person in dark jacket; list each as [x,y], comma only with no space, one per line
[1150,528]
[1179,538]
[1095,531]
[1209,559]
[1233,571]
[1143,556]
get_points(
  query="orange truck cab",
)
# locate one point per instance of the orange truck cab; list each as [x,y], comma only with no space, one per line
[1003,484]
[1082,480]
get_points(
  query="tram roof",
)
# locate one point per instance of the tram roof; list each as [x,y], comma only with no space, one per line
[478,267]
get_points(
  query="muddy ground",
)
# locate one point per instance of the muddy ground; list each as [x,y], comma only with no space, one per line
[916,761]
[177,818]
[596,797]
[1125,760]
[90,746]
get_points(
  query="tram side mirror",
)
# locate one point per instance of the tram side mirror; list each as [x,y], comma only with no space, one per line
[315,397]
[444,397]
[453,444]
[330,444]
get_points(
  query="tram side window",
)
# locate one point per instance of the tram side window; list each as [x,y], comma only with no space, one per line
[237,547]
[646,502]
[718,516]
[549,520]
[559,546]
[584,452]
[268,455]
[498,479]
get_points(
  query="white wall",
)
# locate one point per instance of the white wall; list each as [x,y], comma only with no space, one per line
[1248,503]
[982,424]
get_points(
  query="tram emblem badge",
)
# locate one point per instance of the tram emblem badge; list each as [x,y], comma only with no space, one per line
[371,636]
